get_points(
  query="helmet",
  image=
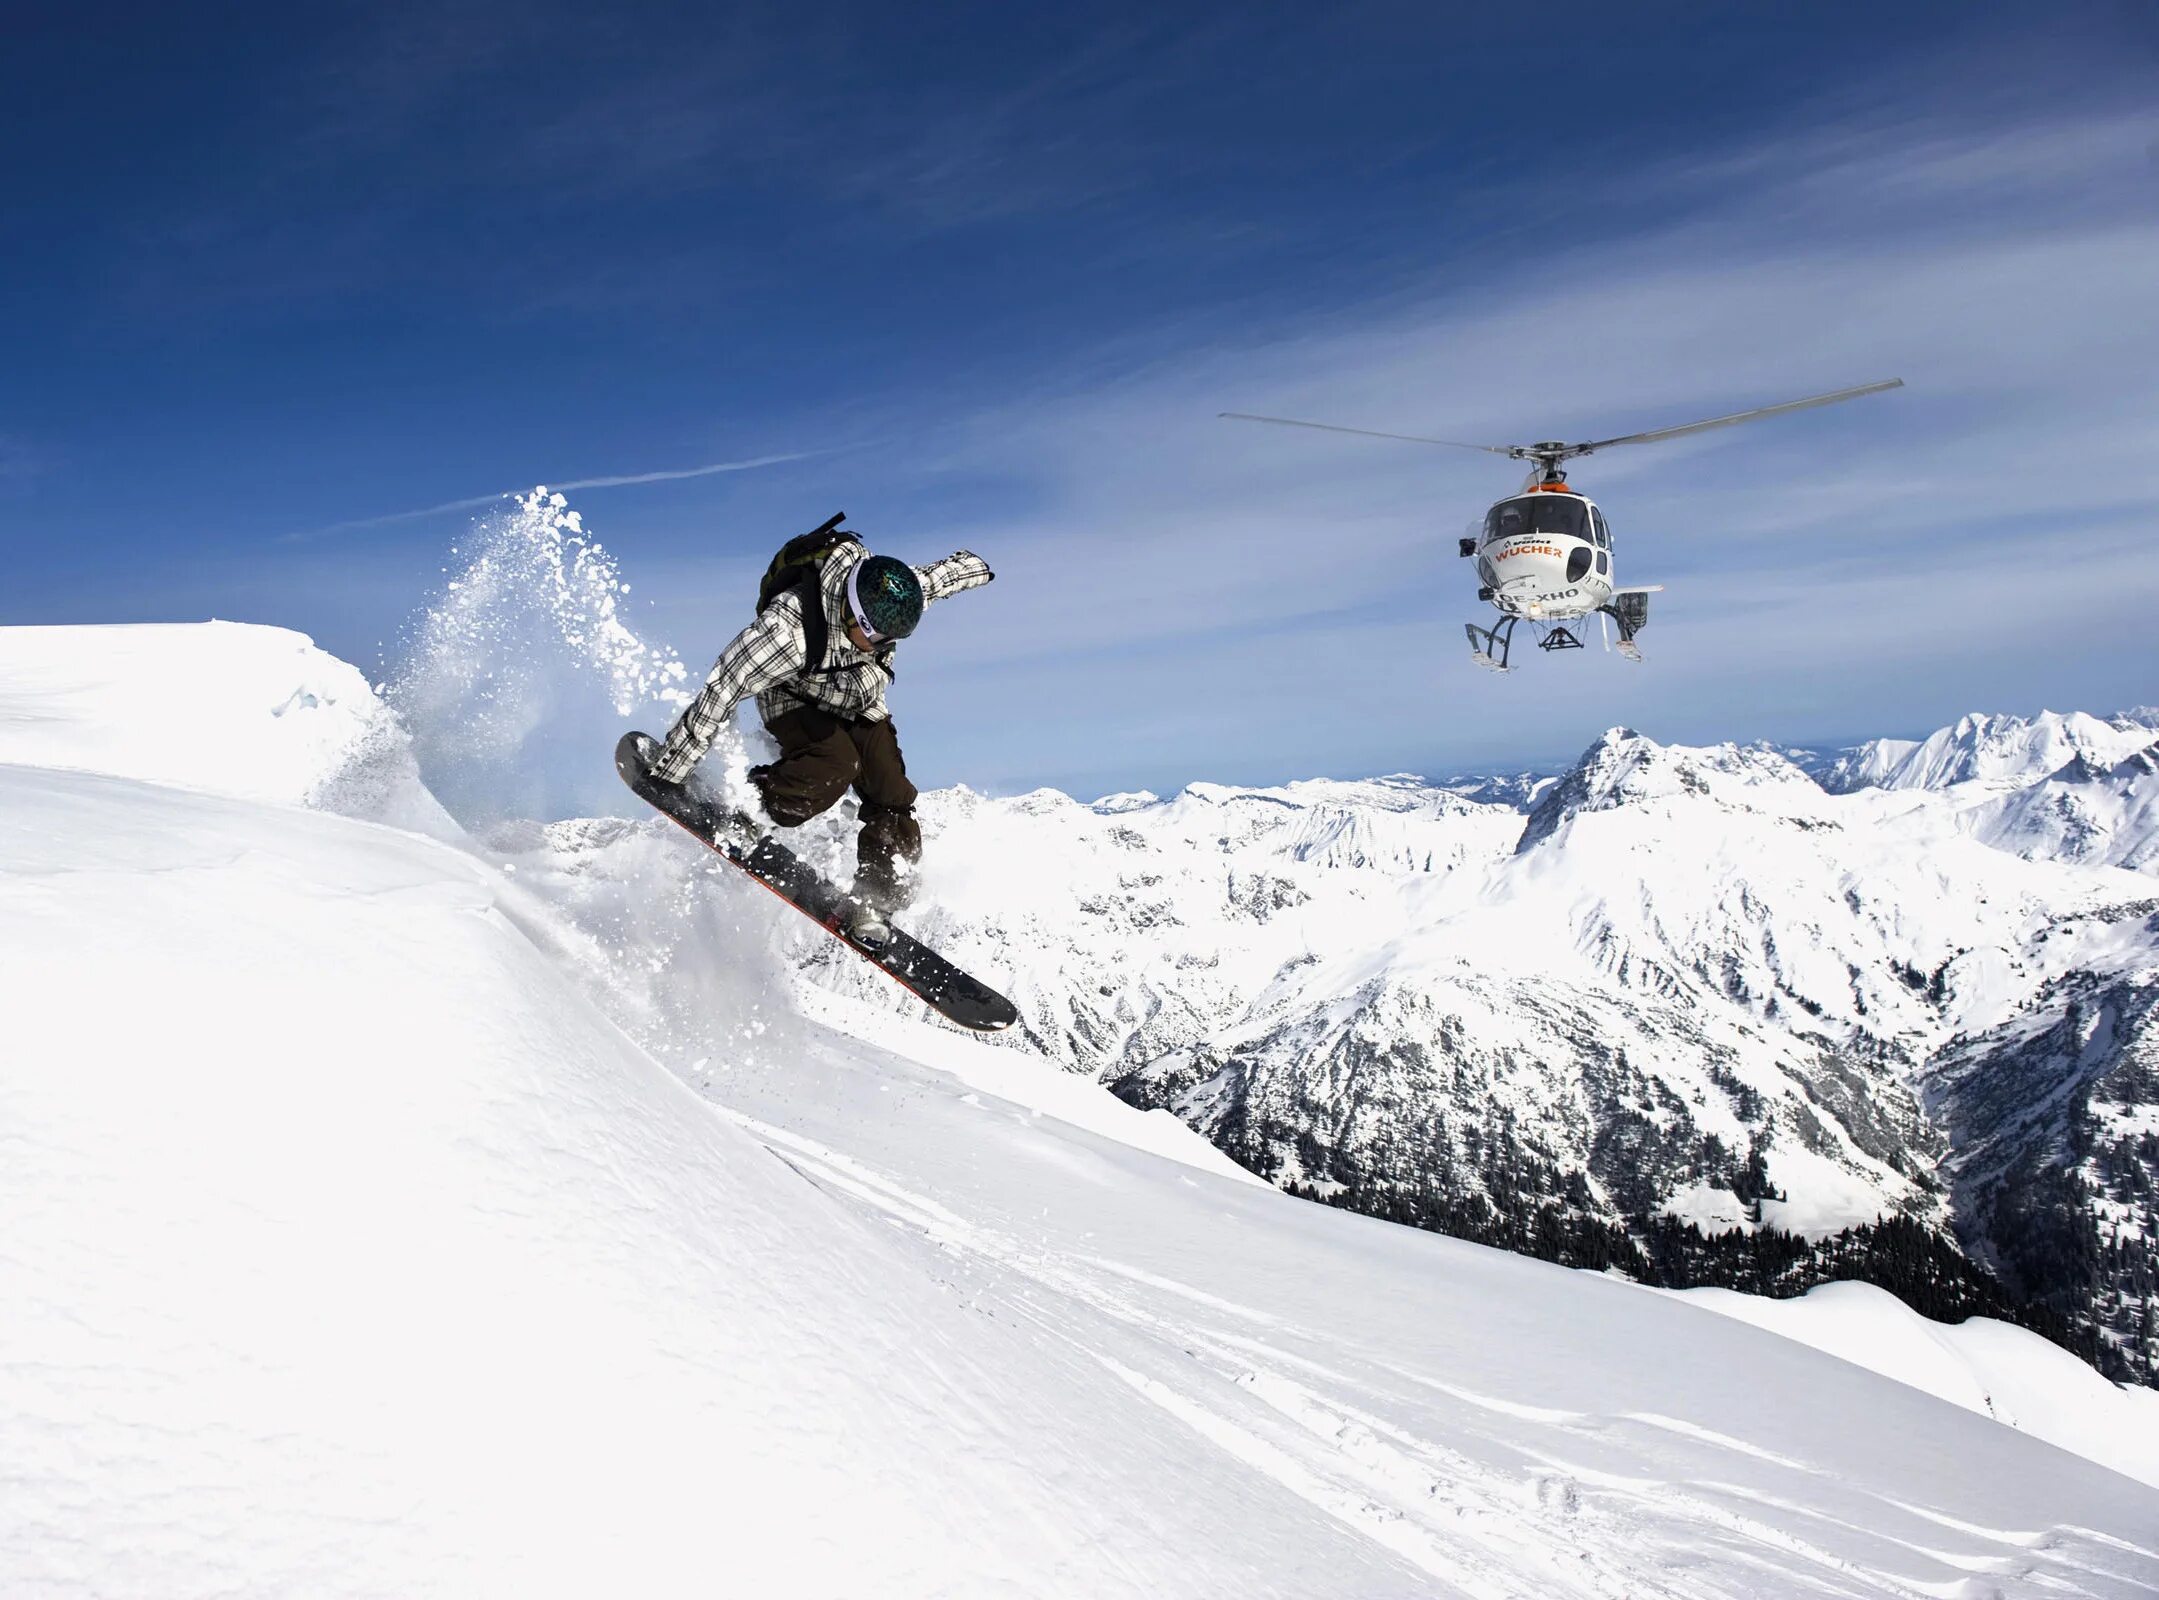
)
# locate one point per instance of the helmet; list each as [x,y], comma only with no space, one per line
[885,597]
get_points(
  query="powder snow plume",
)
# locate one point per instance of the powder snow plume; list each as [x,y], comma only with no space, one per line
[517,678]
[515,673]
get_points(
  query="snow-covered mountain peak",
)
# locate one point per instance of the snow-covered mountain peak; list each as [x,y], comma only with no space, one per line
[1044,803]
[1111,805]
[1625,768]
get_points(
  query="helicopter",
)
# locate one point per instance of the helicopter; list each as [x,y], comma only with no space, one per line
[1544,554]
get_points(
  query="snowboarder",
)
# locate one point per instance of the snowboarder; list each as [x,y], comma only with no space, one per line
[817,659]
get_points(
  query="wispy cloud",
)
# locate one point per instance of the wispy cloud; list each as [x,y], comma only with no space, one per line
[474,502]
[1881,565]
[738,112]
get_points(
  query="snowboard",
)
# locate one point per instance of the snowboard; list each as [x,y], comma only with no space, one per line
[944,988]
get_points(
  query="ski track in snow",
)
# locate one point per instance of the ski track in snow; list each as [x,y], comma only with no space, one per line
[1533,1525]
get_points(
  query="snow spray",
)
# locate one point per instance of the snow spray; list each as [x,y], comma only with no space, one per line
[517,669]
[515,681]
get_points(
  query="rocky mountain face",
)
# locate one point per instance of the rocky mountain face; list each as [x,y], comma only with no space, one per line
[1693,1013]
[2051,1121]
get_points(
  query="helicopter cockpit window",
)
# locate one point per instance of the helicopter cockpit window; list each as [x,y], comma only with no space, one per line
[1604,532]
[1548,514]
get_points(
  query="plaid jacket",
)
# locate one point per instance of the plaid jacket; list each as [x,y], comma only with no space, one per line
[770,659]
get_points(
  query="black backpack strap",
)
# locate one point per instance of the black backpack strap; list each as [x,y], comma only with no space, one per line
[809,593]
[817,632]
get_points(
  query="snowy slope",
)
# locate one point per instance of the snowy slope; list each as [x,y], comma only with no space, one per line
[361,1251]
[1990,1367]
[352,1251]
[219,706]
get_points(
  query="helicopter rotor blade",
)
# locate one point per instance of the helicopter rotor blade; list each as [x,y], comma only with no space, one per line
[1738,417]
[1329,427]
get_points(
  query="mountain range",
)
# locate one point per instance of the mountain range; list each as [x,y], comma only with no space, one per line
[1728,1015]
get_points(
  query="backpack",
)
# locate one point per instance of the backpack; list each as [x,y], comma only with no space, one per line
[799,570]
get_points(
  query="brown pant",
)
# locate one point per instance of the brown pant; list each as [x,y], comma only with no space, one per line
[820,756]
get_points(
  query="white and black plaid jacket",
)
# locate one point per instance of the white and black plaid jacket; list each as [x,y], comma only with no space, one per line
[770,659]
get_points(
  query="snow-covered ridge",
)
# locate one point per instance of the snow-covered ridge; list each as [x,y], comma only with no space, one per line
[1989,1367]
[2087,813]
[227,708]
[1623,768]
[2005,750]
[363,1251]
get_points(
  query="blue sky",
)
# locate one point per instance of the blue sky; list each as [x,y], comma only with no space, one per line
[276,274]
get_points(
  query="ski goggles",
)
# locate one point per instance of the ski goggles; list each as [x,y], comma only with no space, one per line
[854,607]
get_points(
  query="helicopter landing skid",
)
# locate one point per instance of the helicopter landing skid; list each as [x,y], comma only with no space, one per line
[1488,646]
[1627,646]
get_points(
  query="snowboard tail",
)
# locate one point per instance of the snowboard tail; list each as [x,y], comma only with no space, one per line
[944,988]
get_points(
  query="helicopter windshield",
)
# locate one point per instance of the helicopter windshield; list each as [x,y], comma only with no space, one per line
[1548,514]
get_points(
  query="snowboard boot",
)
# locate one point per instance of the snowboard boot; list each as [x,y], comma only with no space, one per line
[737,834]
[745,828]
[867,926]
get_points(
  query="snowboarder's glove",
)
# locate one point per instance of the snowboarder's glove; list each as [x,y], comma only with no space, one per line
[963,569]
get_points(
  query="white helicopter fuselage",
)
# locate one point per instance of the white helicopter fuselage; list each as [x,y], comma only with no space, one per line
[1546,554]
